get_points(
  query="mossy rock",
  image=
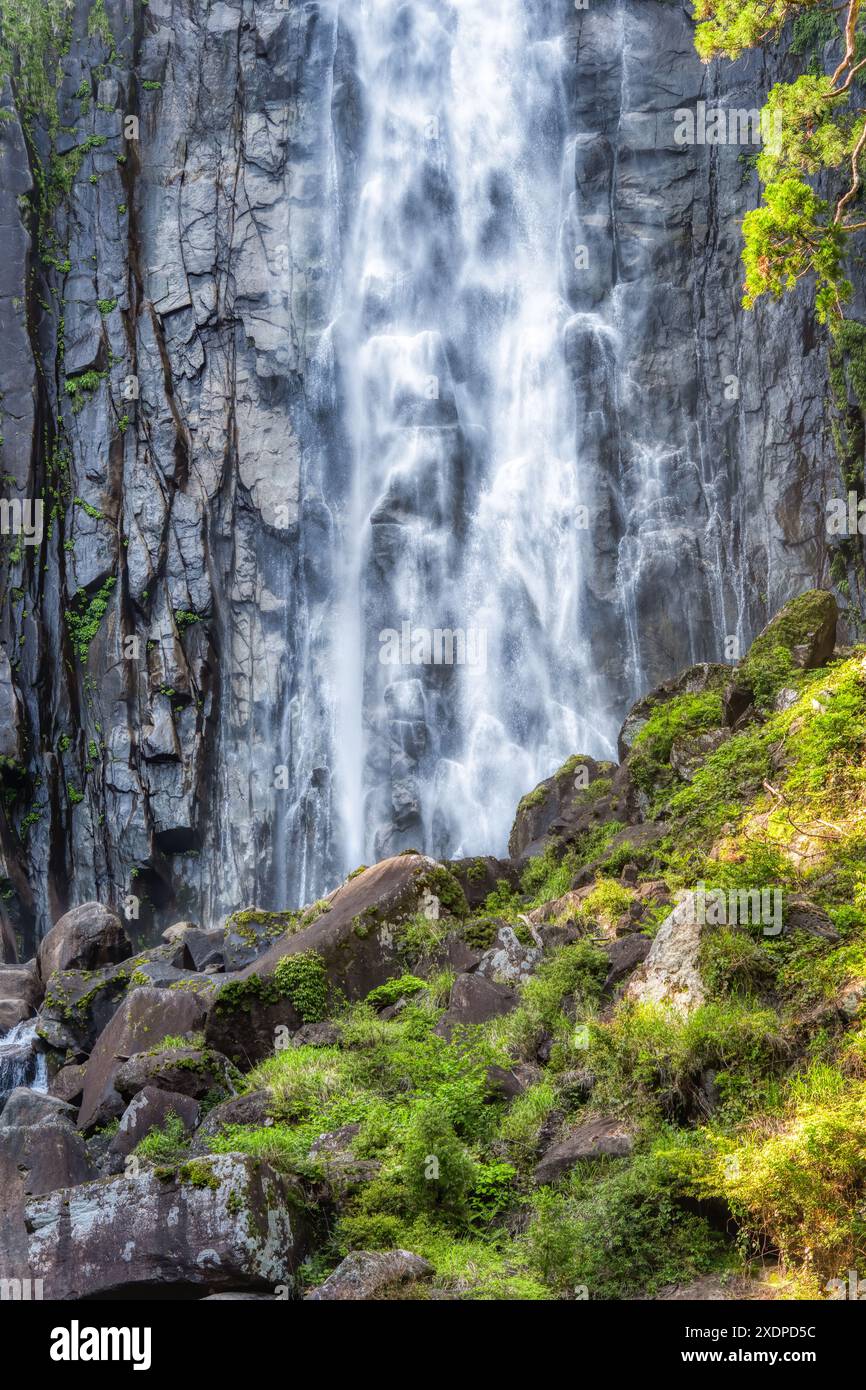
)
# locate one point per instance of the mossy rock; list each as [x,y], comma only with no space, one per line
[579,793]
[481,875]
[249,933]
[700,679]
[801,637]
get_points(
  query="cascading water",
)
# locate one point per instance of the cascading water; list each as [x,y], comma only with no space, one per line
[461,511]
[20,1063]
[505,473]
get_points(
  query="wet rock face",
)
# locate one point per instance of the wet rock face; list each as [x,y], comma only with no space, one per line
[196,507]
[190,261]
[673,271]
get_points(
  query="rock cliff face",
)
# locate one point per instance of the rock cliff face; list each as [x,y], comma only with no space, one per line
[172,388]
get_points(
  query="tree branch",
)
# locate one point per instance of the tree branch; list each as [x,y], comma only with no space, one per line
[850,39]
[855,177]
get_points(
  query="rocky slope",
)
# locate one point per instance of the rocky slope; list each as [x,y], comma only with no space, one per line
[163,295]
[626,1062]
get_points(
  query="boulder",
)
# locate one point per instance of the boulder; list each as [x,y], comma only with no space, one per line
[482,875]
[24,1106]
[79,1004]
[248,934]
[583,793]
[563,911]
[474,1000]
[253,1109]
[13,1012]
[159,974]
[145,1017]
[365,1273]
[333,1152]
[84,939]
[635,840]
[46,1156]
[41,1148]
[594,1139]
[356,935]
[457,954]
[150,1109]
[220,1223]
[27,1107]
[801,636]
[849,999]
[13,1232]
[803,915]
[670,973]
[68,1083]
[248,1028]
[204,950]
[507,1083]
[187,1071]
[322,1034]
[21,982]
[174,935]
[508,961]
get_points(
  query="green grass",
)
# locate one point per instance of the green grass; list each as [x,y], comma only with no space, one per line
[669,720]
[167,1144]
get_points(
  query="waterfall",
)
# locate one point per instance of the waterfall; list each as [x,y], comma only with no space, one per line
[21,1064]
[457,671]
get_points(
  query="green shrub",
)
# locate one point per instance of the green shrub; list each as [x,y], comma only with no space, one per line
[85,617]
[549,875]
[523,1120]
[796,1183]
[651,1059]
[393,990]
[621,1233]
[437,1171]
